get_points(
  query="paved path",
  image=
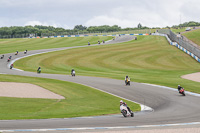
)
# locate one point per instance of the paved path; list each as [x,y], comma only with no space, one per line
[169,107]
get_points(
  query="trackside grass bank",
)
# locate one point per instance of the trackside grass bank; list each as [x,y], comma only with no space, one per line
[150,59]
[194,36]
[12,45]
[79,101]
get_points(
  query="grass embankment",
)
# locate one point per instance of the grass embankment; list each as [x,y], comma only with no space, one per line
[150,59]
[178,30]
[194,36]
[79,101]
[12,45]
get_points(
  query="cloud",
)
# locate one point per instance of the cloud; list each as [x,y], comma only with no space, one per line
[33,23]
[106,20]
[127,13]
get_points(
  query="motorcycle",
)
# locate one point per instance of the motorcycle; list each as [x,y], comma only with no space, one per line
[73,73]
[182,91]
[39,71]
[125,112]
[11,66]
[16,53]
[8,60]
[127,81]
[25,52]
[2,56]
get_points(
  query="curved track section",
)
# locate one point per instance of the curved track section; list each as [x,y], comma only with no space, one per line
[169,107]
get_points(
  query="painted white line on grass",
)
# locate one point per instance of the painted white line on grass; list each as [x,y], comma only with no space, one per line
[101,128]
[143,107]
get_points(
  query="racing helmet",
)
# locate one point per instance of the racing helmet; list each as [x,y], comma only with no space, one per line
[121,101]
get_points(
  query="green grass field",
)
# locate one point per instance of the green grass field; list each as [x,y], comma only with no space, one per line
[76,95]
[12,45]
[193,36]
[150,59]
[79,101]
[178,30]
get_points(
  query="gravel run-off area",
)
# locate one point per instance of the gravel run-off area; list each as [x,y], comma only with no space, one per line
[26,90]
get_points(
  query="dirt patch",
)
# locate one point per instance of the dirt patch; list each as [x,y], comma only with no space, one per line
[26,90]
[193,77]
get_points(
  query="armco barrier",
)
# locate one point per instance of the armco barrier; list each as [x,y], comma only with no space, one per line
[178,46]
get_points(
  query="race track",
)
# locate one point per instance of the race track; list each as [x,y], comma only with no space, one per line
[169,107]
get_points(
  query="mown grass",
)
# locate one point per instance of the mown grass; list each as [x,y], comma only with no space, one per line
[178,30]
[12,45]
[194,36]
[79,101]
[150,59]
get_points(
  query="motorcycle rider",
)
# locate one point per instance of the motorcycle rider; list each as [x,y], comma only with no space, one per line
[11,66]
[179,88]
[10,57]
[39,69]
[16,52]
[25,51]
[123,103]
[127,79]
[72,71]
[2,56]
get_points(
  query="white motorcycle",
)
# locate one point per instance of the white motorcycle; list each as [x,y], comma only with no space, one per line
[125,112]
[73,73]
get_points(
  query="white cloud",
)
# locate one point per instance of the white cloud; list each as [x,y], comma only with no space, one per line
[127,13]
[106,20]
[33,23]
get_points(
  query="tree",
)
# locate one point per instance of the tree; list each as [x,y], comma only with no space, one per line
[80,27]
[139,26]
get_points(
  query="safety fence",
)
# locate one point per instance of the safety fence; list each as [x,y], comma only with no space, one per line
[86,35]
[178,38]
[178,46]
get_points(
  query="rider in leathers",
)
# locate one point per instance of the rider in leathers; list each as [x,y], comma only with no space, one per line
[179,88]
[123,103]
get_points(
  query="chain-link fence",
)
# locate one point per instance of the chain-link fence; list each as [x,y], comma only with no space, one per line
[179,39]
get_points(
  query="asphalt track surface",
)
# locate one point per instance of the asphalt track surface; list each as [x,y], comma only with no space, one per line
[169,107]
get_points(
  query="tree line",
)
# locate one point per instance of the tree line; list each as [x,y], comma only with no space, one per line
[187,24]
[39,30]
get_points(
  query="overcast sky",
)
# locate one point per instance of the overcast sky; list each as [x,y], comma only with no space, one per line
[125,13]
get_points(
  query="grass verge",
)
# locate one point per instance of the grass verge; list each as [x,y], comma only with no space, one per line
[150,59]
[193,36]
[79,101]
[12,45]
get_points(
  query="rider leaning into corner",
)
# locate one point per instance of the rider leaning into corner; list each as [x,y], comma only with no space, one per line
[39,68]
[123,103]
[179,88]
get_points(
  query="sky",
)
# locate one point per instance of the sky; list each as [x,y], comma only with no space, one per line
[124,13]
